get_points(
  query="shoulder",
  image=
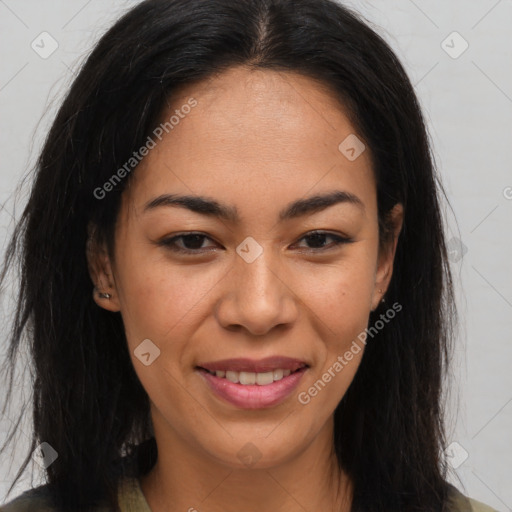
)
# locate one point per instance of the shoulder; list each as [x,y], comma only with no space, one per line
[36,499]
[461,503]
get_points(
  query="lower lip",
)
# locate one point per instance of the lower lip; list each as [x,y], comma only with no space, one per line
[253,396]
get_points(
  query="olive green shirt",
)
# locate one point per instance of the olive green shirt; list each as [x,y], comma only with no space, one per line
[131,499]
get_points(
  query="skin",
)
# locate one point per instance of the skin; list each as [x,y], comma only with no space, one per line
[257,140]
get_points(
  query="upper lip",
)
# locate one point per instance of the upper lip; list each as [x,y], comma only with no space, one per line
[257,366]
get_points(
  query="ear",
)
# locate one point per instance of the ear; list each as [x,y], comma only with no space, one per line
[100,270]
[386,256]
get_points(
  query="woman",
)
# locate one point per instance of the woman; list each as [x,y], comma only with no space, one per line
[234,271]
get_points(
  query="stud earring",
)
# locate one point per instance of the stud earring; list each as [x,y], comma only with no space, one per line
[103,295]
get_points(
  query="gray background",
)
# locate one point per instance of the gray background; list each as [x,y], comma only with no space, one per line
[467,101]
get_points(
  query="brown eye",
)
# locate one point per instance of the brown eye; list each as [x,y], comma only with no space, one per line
[191,243]
[317,239]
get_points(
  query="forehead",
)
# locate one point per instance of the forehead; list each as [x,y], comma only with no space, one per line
[271,113]
[268,131]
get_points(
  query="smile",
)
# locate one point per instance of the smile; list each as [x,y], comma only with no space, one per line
[250,378]
[251,390]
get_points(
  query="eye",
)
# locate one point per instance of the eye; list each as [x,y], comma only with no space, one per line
[317,238]
[191,243]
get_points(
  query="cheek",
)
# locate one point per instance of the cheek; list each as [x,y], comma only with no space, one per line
[158,299]
[339,297]
[340,294]
[339,300]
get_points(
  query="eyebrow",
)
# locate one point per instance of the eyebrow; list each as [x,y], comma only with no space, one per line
[210,207]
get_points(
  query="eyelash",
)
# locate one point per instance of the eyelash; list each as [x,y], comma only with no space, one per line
[171,242]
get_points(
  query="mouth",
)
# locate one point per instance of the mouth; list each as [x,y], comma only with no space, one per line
[252,378]
[251,384]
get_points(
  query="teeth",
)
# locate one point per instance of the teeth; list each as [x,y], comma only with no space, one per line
[278,374]
[246,378]
[233,376]
[251,378]
[263,378]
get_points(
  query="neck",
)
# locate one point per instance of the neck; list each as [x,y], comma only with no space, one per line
[185,477]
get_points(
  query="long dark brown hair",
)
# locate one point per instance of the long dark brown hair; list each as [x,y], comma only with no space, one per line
[87,402]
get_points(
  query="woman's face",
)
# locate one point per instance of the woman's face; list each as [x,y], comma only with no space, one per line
[256,283]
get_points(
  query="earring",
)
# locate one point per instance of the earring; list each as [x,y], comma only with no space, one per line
[102,295]
[383,299]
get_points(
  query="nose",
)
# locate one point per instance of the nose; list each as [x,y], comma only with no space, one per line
[258,296]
